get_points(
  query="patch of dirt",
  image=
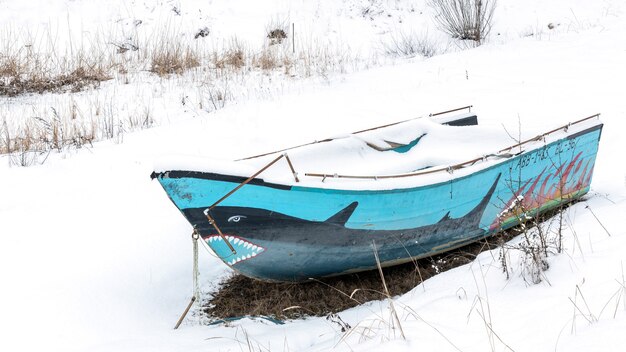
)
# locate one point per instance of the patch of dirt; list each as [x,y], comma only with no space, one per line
[241,296]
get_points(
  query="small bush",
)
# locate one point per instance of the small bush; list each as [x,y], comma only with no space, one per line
[277,35]
[201,33]
[276,30]
[541,235]
[464,19]
[402,44]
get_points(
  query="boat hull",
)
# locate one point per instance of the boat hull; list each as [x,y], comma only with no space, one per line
[292,233]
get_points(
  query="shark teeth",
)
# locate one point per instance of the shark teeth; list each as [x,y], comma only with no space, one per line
[244,249]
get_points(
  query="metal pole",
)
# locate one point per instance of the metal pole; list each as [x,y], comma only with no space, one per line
[245,182]
[219,232]
[469,108]
[180,320]
[293,171]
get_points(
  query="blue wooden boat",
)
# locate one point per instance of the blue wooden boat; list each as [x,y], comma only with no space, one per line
[285,226]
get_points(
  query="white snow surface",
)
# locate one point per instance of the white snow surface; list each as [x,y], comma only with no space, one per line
[94,257]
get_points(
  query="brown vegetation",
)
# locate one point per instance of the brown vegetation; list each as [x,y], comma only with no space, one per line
[241,296]
[173,59]
[234,58]
[16,78]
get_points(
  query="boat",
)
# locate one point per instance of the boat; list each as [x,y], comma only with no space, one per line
[380,196]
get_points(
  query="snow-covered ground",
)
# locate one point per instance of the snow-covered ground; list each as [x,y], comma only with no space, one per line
[93,256]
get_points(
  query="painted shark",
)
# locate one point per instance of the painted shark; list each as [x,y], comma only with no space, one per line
[273,245]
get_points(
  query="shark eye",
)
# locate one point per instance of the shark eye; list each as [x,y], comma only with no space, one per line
[236,218]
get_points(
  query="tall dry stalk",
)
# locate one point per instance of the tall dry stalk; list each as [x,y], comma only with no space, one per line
[465,19]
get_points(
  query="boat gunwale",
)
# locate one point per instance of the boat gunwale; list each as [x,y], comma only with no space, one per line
[472,162]
[259,181]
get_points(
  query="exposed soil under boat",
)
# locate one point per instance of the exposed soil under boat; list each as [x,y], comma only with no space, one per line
[240,296]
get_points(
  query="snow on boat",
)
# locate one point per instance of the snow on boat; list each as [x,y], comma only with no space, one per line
[406,190]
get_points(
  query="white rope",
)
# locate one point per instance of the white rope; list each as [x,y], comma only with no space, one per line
[195,299]
[196,284]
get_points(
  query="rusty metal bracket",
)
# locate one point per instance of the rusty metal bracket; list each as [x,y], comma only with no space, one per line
[245,182]
[195,235]
[293,171]
[219,232]
[468,107]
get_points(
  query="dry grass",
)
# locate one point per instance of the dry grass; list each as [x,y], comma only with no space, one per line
[173,59]
[268,59]
[19,75]
[32,64]
[233,56]
[409,44]
[234,59]
[39,136]
[542,236]
[240,296]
